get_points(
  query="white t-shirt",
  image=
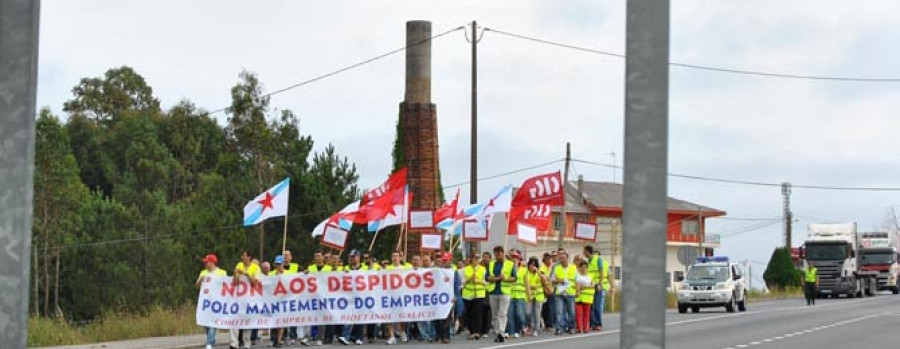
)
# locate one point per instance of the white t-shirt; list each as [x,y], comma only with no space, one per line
[583,280]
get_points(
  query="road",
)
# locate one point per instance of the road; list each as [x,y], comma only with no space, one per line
[832,323]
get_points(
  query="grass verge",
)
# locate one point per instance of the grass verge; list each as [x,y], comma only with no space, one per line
[113,326]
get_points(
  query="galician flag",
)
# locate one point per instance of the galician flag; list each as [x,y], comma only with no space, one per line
[271,203]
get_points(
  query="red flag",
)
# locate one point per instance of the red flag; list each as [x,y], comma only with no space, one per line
[396,181]
[545,189]
[534,215]
[448,210]
[381,206]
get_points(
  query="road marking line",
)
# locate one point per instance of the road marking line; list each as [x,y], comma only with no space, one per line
[799,333]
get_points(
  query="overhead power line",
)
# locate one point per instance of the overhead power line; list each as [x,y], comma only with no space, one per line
[451,186]
[752,228]
[755,183]
[350,67]
[701,67]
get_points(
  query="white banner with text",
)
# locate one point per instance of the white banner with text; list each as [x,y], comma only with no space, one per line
[356,297]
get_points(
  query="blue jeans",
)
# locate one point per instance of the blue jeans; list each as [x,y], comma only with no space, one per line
[210,336]
[426,330]
[550,304]
[565,313]
[353,332]
[597,308]
[515,322]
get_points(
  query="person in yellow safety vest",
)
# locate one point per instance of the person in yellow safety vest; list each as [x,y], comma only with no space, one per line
[353,333]
[563,278]
[396,328]
[289,264]
[515,326]
[501,277]
[318,263]
[811,282]
[369,263]
[536,282]
[584,298]
[549,316]
[278,335]
[473,294]
[210,268]
[598,269]
[247,271]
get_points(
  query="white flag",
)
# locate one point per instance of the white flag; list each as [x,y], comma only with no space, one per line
[271,203]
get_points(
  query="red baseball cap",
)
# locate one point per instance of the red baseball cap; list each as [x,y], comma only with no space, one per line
[447,256]
[211,258]
[515,254]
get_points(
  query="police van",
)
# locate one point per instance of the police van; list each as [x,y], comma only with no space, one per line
[713,282]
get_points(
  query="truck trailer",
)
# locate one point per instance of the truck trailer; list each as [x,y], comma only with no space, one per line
[833,250]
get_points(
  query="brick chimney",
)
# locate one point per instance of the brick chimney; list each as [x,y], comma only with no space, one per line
[418,127]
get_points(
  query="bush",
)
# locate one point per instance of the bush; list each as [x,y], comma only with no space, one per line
[781,273]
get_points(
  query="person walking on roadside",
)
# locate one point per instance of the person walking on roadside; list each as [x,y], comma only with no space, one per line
[244,271]
[501,278]
[279,335]
[515,323]
[536,285]
[811,283]
[486,326]
[598,269]
[353,333]
[210,268]
[318,265]
[549,311]
[424,327]
[584,298]
[473,294]
[442,326]
[563,278]
[398,328]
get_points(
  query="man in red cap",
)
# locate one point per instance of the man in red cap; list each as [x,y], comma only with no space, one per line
[211,268]
[442,326]
[515,322]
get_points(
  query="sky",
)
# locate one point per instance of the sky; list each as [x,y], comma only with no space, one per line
[534,98]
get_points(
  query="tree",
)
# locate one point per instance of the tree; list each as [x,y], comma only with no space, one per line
[103,100]
[57,201]
[781,273]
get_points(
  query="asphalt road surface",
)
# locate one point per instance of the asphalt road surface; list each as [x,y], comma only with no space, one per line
[832,323]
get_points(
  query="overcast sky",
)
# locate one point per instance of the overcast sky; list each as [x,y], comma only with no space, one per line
[533,98]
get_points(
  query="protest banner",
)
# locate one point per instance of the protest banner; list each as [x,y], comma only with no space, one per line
[358,297]
[527,234]
[586,232]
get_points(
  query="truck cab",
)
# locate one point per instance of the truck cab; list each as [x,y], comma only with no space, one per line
[883,263]
[833,250]
[713,282]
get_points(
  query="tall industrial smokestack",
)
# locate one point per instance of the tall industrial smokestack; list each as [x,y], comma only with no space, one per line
[418,62]
[417,133]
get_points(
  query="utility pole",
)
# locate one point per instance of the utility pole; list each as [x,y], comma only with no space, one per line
[19,27]
[788,216]
[646,163]
[565,222]
[473,166]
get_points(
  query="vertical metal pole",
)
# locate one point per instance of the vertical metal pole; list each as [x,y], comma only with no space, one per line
[473,166]
[563,212]
[786,192]
[646,163]
[18,86]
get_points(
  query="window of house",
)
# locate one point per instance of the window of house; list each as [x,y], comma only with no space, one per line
[618,273]
[668,279]
[679,276]
[690,227]
[557,222]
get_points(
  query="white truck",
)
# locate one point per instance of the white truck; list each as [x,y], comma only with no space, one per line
[713,282]
[833,249]
[878,257]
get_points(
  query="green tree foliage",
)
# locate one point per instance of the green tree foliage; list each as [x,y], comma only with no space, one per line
[130,197]
[781,273]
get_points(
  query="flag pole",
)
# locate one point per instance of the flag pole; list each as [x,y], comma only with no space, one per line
[372,244]
[284,238]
